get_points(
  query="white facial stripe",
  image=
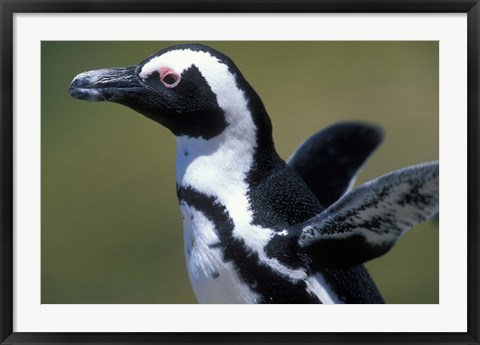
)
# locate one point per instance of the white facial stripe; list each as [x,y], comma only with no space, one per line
[179,61]
[221,81]
[166,60]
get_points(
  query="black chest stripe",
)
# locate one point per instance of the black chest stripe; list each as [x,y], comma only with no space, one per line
[272,286]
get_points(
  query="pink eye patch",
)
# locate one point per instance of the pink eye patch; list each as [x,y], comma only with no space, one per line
[169,77]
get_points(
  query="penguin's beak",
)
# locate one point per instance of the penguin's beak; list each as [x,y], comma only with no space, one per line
[111,84]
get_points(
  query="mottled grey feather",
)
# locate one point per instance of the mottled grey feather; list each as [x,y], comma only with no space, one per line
[367,222]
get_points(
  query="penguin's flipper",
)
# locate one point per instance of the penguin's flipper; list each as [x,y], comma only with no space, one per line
[330,159]
[368,221]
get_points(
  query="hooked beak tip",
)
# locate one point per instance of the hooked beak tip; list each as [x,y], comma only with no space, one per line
[80,88]
[86,94]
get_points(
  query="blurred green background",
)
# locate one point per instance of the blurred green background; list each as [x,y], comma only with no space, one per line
[111,226]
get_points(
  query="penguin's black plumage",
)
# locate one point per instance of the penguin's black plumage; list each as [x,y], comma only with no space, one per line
[259,230]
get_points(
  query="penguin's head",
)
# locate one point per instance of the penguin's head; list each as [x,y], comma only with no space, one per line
[191,89]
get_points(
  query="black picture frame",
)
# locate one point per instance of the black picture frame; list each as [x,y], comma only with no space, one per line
[9,7]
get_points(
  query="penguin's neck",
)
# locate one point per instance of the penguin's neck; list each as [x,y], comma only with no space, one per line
[220,167]
[214,167]
[226,166]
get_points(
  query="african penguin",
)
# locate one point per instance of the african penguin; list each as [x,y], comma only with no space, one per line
[258,229]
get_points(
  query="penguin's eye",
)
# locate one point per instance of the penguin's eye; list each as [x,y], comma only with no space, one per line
[169,78]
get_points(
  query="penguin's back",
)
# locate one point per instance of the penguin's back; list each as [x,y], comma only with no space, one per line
[281,199]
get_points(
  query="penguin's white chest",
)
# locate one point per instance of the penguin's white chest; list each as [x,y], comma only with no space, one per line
[213,279]
[215,171]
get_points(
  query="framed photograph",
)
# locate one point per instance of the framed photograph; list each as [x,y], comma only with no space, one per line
[112,162]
